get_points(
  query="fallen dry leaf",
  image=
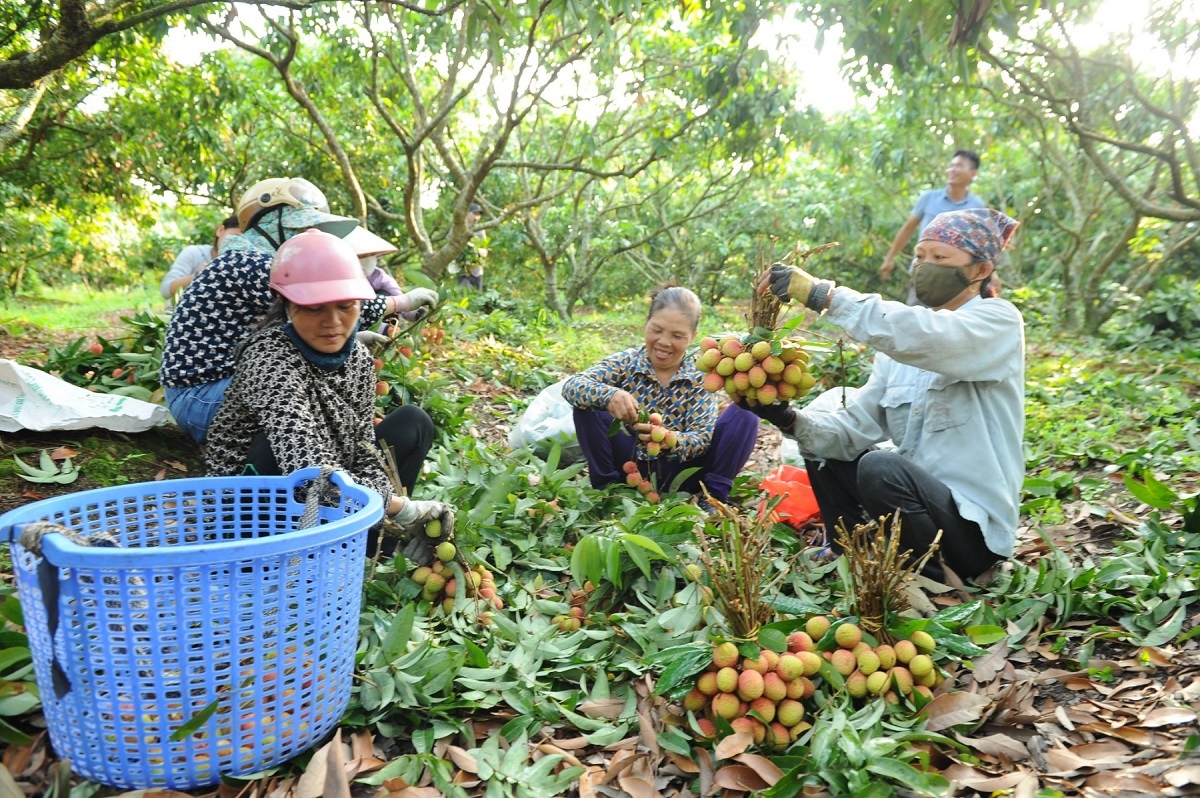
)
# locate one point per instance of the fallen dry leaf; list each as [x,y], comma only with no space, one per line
[1168,716]
[979,781]
[607,708]
[997,745]
[1110,783]
[325,776]
[953,709]
[637,787]
[734,744]
[765,768]
[1183,776]
[462,759]
[739,777]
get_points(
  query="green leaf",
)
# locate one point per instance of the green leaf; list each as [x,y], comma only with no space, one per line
[12,735]
[790,605]
[773,639]
[908,776]
[1152,492]
[399,632]
[955,616]
[10,610]
[1166,632]
[985,634]
[195,722]
[685,663]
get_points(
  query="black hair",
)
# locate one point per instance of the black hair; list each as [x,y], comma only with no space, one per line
[231,222]
[682,299]
[970,155]
[476,208]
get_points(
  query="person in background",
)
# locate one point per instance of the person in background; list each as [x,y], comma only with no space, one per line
[659,377]
[469,264]
[956,196]
[224,302]
[947,387]
[192,258]
[303,391]
[370,249]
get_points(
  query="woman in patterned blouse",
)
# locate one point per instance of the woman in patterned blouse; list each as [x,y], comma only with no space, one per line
[303,391]
[658,377]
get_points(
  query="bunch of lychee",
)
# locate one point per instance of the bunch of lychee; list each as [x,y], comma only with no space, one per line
[762,696]
[440,585]
[886,670]
[661,438]
[577,616]
[433,335]
[634,479]
[755,370]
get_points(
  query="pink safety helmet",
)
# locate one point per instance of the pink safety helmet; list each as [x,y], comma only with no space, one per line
[313,268]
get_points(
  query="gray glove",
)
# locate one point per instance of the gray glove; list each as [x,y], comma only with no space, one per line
[414,520]
[371,340]
[417,298]
[415,315]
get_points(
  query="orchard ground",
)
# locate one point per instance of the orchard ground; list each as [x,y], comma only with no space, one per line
[1071,707]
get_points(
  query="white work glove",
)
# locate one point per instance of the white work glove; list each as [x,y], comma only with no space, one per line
[417,298]
[414,519]
[371,340]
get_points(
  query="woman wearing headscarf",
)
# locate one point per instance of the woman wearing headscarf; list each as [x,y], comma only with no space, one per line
[946,387]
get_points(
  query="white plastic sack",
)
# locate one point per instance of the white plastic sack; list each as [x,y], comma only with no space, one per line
[34,400]
[547,419]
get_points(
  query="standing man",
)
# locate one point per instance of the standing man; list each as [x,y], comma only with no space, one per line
[955,197]
[469,264]
[192,258]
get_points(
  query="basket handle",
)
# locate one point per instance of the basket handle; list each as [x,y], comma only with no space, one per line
[323,480]
[30,539]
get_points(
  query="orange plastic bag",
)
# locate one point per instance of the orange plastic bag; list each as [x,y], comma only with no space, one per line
[799,504]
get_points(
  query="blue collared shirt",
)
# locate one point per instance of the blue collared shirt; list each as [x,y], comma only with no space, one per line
[948,388]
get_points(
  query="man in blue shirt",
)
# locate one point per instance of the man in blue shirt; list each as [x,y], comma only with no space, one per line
[956,196]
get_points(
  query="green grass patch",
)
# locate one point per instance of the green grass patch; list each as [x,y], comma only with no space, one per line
[76,307]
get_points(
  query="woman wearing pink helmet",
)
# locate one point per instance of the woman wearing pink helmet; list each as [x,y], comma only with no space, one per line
[303,390]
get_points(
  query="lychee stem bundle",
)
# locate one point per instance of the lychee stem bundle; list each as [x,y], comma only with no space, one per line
[737,558]
[878,570]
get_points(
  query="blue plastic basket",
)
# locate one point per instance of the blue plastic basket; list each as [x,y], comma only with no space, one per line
[215,611]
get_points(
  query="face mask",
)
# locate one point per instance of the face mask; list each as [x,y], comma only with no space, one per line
[935,285]
[369,264]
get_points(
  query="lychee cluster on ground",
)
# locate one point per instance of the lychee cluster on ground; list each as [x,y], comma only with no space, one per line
[577,616]
[439,584]
[634,479]
[885,670]
[762,696]
[765,696]
[754,370]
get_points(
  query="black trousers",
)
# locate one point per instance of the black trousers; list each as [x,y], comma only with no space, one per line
[408,430]
[878,483]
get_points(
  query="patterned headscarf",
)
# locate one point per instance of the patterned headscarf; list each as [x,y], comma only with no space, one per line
[980,232]
[295,221]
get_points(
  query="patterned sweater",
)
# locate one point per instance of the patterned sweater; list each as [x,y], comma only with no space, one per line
[311,417]
[217,312]
[686,407]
